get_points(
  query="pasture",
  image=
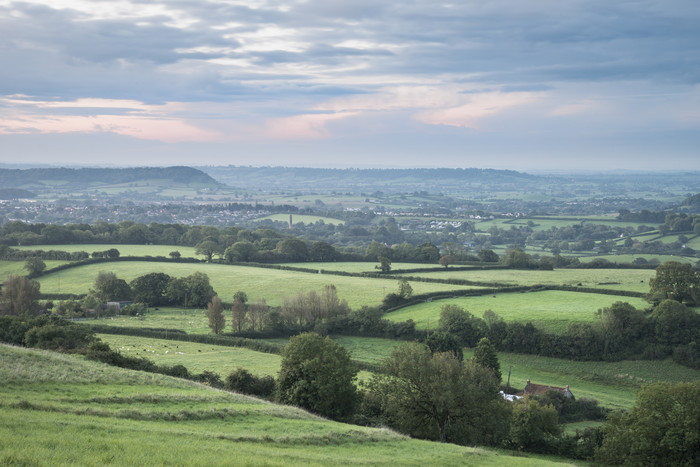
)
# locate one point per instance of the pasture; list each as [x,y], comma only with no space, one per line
[59,409]
[16,268]
[633,280]
[219,359]
[550,310]
[124,250]
[359,267]
[271,284]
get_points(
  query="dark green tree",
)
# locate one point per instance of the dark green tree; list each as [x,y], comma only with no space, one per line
[532,425]
[151,288]
[110,288]
[318,375]
[456,320]
[384,264]
[293,249]
[405,289]
[676,281]
[436,396]
[240,251]
[208,248]
[441,341]
[34,266]
[485,355]
[488,256]
[661,429]
[322,251]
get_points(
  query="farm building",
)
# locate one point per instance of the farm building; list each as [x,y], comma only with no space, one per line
[539,389]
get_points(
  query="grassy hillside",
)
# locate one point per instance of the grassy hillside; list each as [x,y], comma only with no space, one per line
[58,409]
[550,310]
[271,284]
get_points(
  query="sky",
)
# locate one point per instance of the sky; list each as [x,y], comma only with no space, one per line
[505,84]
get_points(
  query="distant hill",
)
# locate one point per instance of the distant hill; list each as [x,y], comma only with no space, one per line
[16,193]
[392,180]
[44,176]
[124,183]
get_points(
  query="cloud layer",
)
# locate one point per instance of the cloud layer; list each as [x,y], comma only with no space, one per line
[502,83]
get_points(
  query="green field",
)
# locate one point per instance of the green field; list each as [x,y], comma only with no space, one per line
[16,268]
[61,410]
[303,218]
[633,280]
[358,267]
[612,384]
[272,284]
[550,310]
[124,250]
[196,357]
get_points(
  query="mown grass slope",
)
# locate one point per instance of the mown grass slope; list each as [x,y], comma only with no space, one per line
[58,410]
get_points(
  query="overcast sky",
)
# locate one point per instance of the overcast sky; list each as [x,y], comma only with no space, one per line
[538,84]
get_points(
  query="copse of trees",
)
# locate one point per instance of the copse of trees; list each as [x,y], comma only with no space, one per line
[318,375]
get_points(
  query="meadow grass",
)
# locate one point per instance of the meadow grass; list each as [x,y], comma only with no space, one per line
[59,409]
[303,218]
[359,267]
[633,280]
[16,268]
[190,320]
[272,284]
[550,310]
[124,250]
[196,357]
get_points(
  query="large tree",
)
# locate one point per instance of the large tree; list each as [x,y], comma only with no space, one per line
[676,281]
[151,288]
[437,396]
[19,296]
[317,374]
[35,266]
[110,288]
[662,428]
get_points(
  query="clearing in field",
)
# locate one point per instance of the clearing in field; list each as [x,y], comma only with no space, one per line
[271,284]
[550,310]
[58,409]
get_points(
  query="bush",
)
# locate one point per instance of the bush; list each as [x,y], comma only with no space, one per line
[245,382]
[60,336]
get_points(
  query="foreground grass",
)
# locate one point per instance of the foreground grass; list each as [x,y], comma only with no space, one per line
[58,410]
[550,310]
[272,284]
